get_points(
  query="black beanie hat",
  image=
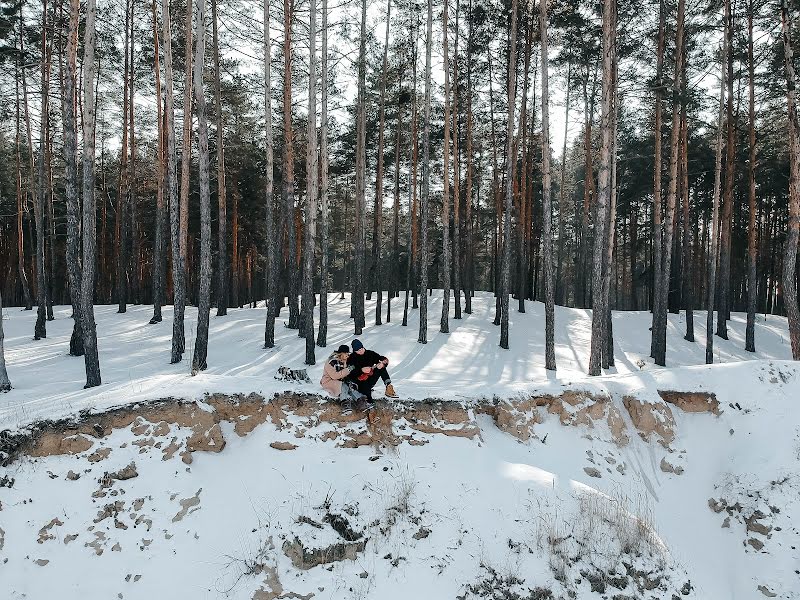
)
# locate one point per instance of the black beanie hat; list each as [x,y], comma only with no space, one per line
[343,348]
[357,345]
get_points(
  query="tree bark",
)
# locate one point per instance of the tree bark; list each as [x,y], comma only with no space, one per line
[288,165]
[123,185]
[657,199]
[793,225]
[444,325]
[312,168]
[660,320]
[724,299]
[688,241]
[199,360]
[40,329]
[361,159]
[133,203]
[752,232]
[562,201]
[547,235]
[322,334]
[604,187]
[713,255]
[269,202]
[73,207]
[171,185]
[5,382]
[456,234]
[21,203]
[469,277]
[505,277]
[90,355]
[159,256]
[222,237]
[426,185]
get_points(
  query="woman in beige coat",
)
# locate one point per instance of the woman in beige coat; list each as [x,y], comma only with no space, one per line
[334,373]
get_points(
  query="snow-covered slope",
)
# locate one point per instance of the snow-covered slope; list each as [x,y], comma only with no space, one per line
[607,492]
[464,364]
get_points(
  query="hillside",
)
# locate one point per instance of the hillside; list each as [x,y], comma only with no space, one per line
[490,478]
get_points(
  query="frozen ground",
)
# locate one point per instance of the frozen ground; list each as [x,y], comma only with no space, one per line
[462,365]
[707,509]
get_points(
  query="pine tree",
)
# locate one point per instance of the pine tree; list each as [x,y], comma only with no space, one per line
[547,235]
[312,167]
[5,382]
[269,201]
[222,221]
[426,185]
[322,334]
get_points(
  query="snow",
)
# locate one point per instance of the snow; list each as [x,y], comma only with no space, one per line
[462,365]
[529,512]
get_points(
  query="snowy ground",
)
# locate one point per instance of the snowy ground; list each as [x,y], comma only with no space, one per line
[568,512]
[462,365]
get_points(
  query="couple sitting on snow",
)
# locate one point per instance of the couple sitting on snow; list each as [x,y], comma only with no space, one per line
[351,376]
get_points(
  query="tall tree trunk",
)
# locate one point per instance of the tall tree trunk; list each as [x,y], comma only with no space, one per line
[171,185]
[660,322]
[505,277]
[288,164]
[394,284]
[90,355]
[21,203]
[426,185]
[361,159]
[607,359]
[40,330]
[724,299]
[456,235]
[547,235]
[159,256]
[235,284]
[603,187]
[204,298]
[136,238]
[752,233]
[312,168]
[411,246]
[5,382]
[322,334]
[562,201]
[269,202]
[377,228]
[222,239]
[589,193]
[713,255]
[522,173]
[70,123]
[123,185]
[469,277]
[657,198]
[793,226]
[498,211]
[444,325]
[688,241]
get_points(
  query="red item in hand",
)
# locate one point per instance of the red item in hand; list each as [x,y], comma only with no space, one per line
[365,375]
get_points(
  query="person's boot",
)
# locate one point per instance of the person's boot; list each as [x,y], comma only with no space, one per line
[347,407]
[390,393]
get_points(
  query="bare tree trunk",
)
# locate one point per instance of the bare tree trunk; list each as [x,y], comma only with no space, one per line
[272,241]
[178,272]
[604,187]
[498,213]
[522,182]
[89,206]
[444,325]
[377,229]
[727,195]
[361,208]
[688,242]
[136,238]
[159,257]
[40,330]
[222,240]
[793,226]
[752,233]
[469,277]
[426,185]
[657,198]
[607,360]
[235,260]
[123,185]
[21,203]
[562,201]
[547,235]
[713,255]
[312,168]
[204,299]
[394,285]
[589,193]
[505,277]
[412,191]
[70,124]
[660,318]
[322,334]
[288,164]
[456,235]
[5,382]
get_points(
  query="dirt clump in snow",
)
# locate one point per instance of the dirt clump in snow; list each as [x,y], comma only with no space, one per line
[651,418]
[695,402]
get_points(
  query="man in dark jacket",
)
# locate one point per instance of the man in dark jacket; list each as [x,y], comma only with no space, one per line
[369,366]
